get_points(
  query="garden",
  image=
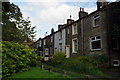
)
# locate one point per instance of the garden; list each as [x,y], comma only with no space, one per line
[20,61]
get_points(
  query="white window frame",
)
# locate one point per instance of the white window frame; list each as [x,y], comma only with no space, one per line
[60,47]
[46,58]
[40,43]
[116,64]
[60,35]
[51,38]
[94,20]
[95,40]
[68,31]
[44,42]
[73,29]
[117,44]
[73,51]
[46,51]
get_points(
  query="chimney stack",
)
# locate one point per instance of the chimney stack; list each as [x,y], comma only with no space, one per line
[69,21]
[52,31]
[82,13]
[101,4]
[60,27]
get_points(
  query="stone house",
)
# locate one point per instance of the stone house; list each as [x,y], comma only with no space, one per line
[97,35]
[91,34]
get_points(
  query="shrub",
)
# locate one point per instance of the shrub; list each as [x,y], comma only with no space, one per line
[58,58]
[101,59]
[82,64]
[16,58]
[40,58]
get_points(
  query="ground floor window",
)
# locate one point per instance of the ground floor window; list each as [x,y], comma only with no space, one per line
[46,51]
[116,63]
[74,45]
[95,43]
[115,43]
[60,46]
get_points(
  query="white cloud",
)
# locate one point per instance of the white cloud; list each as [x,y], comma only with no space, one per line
[47,15]
[54,15]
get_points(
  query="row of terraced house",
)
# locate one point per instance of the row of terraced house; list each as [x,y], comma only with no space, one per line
[91,34]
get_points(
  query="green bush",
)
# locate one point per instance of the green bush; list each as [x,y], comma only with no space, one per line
[101,59]
[16,58]
[58,58]
[40,58]
[82,64]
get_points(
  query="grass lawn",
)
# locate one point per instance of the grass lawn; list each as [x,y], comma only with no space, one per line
[38,73]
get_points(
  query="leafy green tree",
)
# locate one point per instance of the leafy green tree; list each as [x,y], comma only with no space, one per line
[9,30]
[14,27]
[26,29]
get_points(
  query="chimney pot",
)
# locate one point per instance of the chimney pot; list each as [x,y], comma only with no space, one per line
[82,13]
[52,31]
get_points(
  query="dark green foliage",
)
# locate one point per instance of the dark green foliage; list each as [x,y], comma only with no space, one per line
[101,59]
[81,64]
[40,58]
[14,27]
[16,58]
[59,57]
[84,64]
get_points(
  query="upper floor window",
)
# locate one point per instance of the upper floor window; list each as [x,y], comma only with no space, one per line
[74,29]
[51,38]
[96,20]
[60,35]
[60,46]
[44,42]
[95,43]
[74,45]
[40,44]
[46,51]
[68,31]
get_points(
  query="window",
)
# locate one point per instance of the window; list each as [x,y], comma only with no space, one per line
[46,58]
[40,44]
[60,36]
[68,31]
[51,38]
[74,45]
[60,46]
[74,29]
[96,21]
[116,63]
[46,51]
[115,43]
[44,42]
[95,43]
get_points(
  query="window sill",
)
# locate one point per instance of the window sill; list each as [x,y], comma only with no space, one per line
[74,34]
[115,49]
[95,49]
[96,26]
[74,52]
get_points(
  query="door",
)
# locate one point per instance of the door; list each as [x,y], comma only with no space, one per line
[67,51]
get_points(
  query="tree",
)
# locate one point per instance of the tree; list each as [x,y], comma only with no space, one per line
[27,30]
[9,30]
[14,27]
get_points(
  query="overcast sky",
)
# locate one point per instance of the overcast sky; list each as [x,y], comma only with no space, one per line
[47,14]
